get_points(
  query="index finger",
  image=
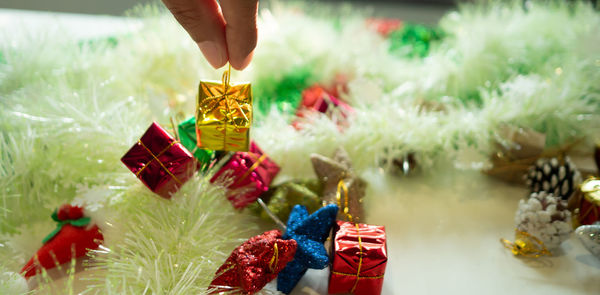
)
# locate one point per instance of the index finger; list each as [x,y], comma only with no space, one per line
[240,30]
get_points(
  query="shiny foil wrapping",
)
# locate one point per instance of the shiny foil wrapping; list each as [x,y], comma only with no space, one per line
[253,264]
[187,135]
[247,175]
[586,202]
[224,115]
[317,99]
[358,265]
[160,162]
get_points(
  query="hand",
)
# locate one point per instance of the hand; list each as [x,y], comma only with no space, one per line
[223,33]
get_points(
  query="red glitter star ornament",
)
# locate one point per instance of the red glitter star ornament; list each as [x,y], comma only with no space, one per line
[254,264]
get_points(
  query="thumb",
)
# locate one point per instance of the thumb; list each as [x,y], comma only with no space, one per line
[204,22]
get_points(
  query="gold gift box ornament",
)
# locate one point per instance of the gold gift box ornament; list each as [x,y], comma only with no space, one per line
[224,115]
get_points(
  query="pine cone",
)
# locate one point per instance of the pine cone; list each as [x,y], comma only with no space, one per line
[545,217]
[558,177]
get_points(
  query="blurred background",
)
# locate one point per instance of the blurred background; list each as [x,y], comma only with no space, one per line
[426,11]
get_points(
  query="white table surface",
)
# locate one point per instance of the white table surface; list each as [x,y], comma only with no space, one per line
[443,228]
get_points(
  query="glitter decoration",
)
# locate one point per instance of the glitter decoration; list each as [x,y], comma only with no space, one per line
[282,198]
[589,235]
[246,175]
[254,264]
[310,232]
[330,171]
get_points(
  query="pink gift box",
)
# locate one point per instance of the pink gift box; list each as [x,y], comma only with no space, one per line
[246,175]
[160,162]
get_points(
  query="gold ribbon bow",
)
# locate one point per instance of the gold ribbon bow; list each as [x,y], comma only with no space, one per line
[526,245]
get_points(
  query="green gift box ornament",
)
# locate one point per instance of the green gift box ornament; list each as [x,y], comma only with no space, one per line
[187,136]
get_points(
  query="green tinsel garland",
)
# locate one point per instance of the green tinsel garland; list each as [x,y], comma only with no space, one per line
[414,40]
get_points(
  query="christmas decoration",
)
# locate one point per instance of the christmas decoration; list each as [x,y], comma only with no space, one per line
[414,40]
[310,232]
[246,176]
[589,235]
[280,198]
[254,263]
[359,259]
[526,245]
[224,115]
[333,171]
[72,238]
[384,26]
[585,202]
[160,162]
[517,150]
[401,166]
[65,121]
[545,217]
[559,177]
[316,99]
[187,135]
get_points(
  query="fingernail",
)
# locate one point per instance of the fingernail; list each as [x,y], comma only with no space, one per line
[245,62]
[213,54]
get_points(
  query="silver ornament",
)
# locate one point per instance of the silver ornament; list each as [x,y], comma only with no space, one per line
[589,235]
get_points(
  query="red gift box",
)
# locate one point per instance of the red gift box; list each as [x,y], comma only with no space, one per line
[359,259]
[317,99]
[246,175]
[586,201]
[160,162]
[384,26]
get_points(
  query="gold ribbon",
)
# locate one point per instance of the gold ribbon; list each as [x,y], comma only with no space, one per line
[275,258]
[338,195]
[526,245]
[252,168]
[155,157]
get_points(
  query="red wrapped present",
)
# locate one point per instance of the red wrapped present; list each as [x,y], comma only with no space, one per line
[246,175]
[384,26]
[73,237]
[359,259]
[586,202]
[160,162]
[317,99]
[254,264]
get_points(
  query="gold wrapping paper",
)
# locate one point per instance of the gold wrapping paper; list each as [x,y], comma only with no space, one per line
[224,115]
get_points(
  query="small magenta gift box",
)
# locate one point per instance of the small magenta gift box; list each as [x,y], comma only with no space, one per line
[359,259]
[160,161]
[246,175]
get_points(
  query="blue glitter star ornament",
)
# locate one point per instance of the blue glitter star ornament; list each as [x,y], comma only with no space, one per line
[310,232]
